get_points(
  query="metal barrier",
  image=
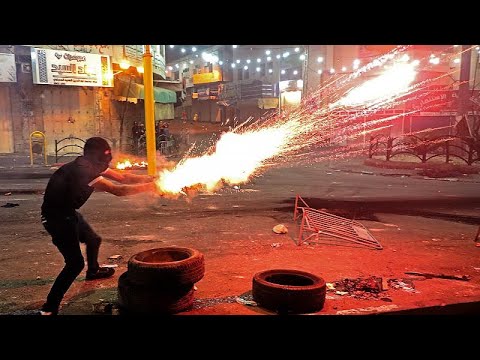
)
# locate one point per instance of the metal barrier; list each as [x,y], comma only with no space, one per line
[447,146]
[59,148]
[330,228]
[35,149]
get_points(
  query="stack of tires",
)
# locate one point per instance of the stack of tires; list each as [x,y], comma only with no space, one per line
[160,281]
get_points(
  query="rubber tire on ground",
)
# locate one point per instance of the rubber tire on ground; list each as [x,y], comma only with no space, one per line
[138,299]
[167,267]
[289,291]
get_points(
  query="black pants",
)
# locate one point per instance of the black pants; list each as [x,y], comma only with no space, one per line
[67,233]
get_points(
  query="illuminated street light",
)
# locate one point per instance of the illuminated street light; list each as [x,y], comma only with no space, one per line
[124,64]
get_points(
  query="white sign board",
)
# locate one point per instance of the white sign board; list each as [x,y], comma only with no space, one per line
[8,71]
[57,67]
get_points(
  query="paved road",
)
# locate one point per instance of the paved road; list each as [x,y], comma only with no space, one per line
[422,224]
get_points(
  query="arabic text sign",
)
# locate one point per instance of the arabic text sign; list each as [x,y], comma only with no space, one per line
[57,67]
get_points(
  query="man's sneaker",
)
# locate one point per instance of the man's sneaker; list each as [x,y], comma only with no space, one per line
[47,313]
[101,273]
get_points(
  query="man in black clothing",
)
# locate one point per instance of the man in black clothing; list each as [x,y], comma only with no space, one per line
[67,190]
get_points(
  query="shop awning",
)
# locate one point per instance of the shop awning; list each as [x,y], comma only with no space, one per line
[124,90]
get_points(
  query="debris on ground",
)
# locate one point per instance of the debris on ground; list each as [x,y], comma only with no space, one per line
[371,309]
[246,298]
[7,194]
[9,205]
[102,307]
[330,286]
[245,302]
[109,265]
[439,276]
[403,284]
[359,288]
[115,257]
[384,284]
[203,303]
[274,245]
[280,229]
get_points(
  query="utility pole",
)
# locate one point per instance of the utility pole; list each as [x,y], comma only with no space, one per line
[464,87]
[149,111]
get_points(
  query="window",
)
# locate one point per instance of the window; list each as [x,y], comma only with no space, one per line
[240,74]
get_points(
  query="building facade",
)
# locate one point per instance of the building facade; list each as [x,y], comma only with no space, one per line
[226,82]
[76,91]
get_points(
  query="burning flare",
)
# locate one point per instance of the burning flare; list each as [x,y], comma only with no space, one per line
[234,161]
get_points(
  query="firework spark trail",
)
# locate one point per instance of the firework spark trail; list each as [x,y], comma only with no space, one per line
[280,139]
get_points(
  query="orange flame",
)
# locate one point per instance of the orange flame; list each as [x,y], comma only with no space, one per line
[235,159]
[127,164]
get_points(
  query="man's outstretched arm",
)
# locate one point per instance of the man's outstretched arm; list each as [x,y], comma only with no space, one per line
[103,184]
[126,178]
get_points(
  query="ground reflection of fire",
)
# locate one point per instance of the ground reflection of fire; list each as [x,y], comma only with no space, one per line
[327,117]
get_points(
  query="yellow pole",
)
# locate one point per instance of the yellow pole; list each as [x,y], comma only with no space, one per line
[149,111]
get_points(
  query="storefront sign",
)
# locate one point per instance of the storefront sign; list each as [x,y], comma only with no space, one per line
[134,54]
[90,49]
[209,77]
[56,67]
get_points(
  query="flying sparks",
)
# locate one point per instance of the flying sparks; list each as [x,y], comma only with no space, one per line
[329,116]
[390,84]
